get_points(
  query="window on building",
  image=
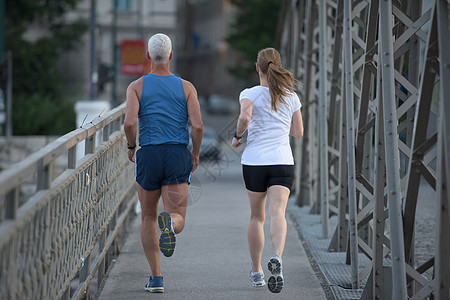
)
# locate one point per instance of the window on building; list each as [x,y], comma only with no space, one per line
[123,5]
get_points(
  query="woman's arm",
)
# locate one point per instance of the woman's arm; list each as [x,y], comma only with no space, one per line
[297,125]
[243,121]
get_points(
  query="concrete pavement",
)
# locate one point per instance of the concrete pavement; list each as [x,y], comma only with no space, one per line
[211,260]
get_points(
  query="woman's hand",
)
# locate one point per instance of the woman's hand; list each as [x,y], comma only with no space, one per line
[236,143]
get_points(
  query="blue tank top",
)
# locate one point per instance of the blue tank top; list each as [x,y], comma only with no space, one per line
[163,112]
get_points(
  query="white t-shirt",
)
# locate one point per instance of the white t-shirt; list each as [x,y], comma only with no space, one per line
[268,131]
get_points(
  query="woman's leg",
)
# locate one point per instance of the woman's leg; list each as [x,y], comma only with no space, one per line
[278,196]
[256,227]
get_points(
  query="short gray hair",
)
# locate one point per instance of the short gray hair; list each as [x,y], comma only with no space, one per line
[159,48]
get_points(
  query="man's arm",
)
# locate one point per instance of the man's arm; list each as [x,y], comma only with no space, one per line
[131,117]
[196,121]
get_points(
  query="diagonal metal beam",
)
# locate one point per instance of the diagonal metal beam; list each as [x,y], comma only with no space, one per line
[421,119]
[444,46]
[442,257]
[412,30]
[336,76]
[306,192]
[349,102]
[323,124]
[392,156]
[378,237]
[366,82]
[408,22]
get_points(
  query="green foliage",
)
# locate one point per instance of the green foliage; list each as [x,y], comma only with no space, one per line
[253,29]
[40,106]
[39,114]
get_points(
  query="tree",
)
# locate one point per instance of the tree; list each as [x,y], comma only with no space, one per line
[40,106]
[253,29]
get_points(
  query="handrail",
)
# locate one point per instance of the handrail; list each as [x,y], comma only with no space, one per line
[15,175]
[71,220]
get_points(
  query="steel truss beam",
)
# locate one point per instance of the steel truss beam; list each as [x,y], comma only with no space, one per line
[385,52]
[442,263]
[308,181]
[349,112]
[380,112]
[322,110]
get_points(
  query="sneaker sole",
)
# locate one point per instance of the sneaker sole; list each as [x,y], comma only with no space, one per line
[257,284]
[275,281]
[165,221]
[167,240]
[155,290]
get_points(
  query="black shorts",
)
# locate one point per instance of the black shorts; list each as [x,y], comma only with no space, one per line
[259,178]
[158,165]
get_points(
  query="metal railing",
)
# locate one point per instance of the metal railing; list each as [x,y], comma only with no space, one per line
[376,93]
[66,231]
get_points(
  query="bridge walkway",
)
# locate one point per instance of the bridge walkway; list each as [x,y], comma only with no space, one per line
[211,260]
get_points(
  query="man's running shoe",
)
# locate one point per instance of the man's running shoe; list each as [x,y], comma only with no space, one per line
[155,285]
[257,278]
[275,282]
[167,238]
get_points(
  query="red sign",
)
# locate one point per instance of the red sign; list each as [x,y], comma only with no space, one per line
[134,58]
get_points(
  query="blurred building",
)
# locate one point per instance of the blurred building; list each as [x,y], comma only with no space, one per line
[197,28]
[136,20]
[203,55]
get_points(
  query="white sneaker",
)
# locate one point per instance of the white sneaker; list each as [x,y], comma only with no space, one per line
[257,278]
[275,282]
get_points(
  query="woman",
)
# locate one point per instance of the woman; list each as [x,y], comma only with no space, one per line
[270,112]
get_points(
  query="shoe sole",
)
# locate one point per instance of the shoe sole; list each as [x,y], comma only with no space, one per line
[167,240]
[275,281]
[257,284]
[155,290]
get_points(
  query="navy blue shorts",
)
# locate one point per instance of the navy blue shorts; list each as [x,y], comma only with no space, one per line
[158,165]
[259,178]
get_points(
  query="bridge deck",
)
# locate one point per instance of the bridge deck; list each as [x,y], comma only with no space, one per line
[211,260]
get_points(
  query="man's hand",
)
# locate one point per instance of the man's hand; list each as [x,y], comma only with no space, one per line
[131,155]
[195,161]
[236,143]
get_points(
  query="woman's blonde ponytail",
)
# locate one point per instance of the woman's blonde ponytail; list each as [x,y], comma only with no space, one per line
[281,81]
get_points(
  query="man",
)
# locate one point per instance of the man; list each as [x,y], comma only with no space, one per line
[163,102]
